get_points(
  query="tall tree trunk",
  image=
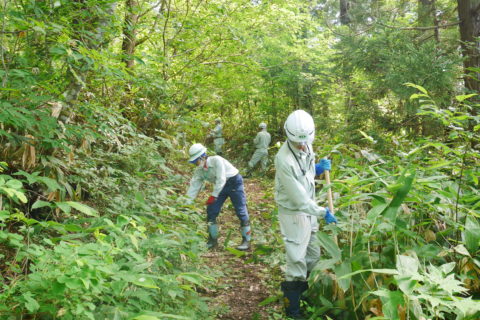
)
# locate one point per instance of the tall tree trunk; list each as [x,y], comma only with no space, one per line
[426,11]
[344,18]
[469,16]
[426,18]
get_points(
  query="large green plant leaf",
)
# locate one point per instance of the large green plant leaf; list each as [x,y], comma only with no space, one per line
[406,182]
[343,269]
[472,235]
[82,208]
[407,266]
[391,300]
[330,246]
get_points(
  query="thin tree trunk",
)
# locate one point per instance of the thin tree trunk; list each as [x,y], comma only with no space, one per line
[130,33]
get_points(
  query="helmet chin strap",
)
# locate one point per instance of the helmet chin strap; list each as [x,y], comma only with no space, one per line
[202,161]
[299,146]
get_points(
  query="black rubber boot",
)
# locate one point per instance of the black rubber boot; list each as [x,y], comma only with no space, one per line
[292,291]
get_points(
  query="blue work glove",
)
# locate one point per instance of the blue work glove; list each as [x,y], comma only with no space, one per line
[323,165]
[329,217]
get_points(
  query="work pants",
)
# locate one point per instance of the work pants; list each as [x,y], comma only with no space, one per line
[234,190]
[301,244]
[259,155]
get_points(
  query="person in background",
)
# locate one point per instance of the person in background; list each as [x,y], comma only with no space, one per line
[227,183]
[261,142]
[217,136]
[297,209]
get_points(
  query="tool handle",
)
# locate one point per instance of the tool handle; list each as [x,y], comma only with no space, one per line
[329,192]
[330,199]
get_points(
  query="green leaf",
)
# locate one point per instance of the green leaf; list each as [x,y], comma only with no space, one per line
[376,211]
[462,250]
[83,208]
[472,235]
[192,277]
[146,282]
[467,307]
[367,137]
[41,204]
[385,271]
[65,207]
[390,300]
[20,196]
[440,164]
[419,88]
[330,246]
[159,316]
[51,184]
[30,303]
[463,97]
[341,270]
[447,267]
[407,266]
[236,252]
[390,211]
[15,184]
[268,301]
[325,264]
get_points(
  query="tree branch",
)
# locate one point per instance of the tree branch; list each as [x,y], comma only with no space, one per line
[226,61]
[422,28]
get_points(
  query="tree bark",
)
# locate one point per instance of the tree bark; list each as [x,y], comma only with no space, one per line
[426,11]
[130,33]
[468,14]
[344,18]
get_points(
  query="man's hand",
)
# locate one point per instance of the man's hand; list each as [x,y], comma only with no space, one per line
[329,217]
[323,165]
[211,200]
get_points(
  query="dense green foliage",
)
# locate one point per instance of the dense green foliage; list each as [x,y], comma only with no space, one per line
[99,99]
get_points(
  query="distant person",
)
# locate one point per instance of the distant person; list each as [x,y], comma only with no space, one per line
[297,209]
[262,141]
[217,136]
[227,183]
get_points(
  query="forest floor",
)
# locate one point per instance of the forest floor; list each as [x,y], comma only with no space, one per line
[243,284]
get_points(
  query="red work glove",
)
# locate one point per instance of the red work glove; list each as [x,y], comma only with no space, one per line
[211,200]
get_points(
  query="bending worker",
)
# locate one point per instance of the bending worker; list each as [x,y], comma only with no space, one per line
[217,136]
[261,142]
[297,210]
[227,183]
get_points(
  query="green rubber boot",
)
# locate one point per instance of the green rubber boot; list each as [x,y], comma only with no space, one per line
[246,237]
[212,242]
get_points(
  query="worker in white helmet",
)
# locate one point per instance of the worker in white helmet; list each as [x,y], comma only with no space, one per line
[217,135]
[227,183]
[297,210]
[262,141]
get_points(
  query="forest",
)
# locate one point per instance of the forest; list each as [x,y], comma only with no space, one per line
[101,101]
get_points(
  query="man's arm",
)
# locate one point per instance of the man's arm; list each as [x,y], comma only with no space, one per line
[296,193]
[196,184]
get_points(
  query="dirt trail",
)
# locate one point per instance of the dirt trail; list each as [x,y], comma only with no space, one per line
[242,285]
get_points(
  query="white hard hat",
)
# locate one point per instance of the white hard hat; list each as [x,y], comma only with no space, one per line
[196,151]
[218,120]
[262,125]
[300,127]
